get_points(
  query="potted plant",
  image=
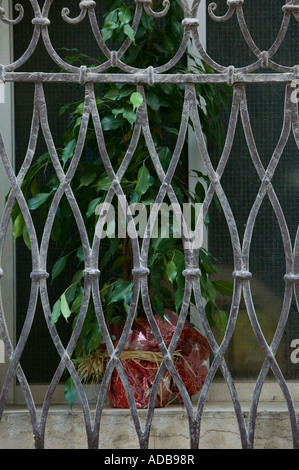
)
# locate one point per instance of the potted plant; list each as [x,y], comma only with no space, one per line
[154,43]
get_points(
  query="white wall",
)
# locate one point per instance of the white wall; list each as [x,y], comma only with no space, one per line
[7,130]
[194,159]
[219,429]
[195,162]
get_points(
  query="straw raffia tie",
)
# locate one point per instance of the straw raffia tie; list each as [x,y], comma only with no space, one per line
[93,366]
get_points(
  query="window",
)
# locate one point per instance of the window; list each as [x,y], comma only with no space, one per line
[241,183]
[40,367]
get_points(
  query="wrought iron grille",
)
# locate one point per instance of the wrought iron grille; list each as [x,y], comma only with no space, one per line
[87,77]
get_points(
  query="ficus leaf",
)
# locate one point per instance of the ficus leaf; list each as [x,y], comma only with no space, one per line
[87,179]
[113,94]
[153,101]
[64,307]
[224,287]
[55,312]
[56,230]
[121,292]
[129,31]
[171,271]
[221,320]
[59,266]
[68,150]
[70,391]
[124,15]
[76,305]
[158,306]
[38,200]
[143,181]
[26,237]
[129,116]
[136,99]
[178,298]
[92,206]
[18,226]
[110,123]
[104,183]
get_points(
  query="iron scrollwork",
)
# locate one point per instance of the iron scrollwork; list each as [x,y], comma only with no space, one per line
[234,76]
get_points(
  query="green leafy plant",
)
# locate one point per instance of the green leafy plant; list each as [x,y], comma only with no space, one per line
[154,44]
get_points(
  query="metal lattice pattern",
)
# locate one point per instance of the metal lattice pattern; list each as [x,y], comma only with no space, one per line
[88,77]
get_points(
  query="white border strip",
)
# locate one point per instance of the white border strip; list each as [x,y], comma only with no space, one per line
[2,352]
[2,92]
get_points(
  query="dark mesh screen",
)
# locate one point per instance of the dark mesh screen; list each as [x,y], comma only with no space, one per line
[241,183]
[40,358]
[240,180]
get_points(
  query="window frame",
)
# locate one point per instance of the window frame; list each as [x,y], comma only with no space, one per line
[7,127]
[219,392]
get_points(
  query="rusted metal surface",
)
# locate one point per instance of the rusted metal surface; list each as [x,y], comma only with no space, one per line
[236,77]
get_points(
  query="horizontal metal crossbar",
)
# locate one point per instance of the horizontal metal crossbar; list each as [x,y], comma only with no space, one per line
[142,78]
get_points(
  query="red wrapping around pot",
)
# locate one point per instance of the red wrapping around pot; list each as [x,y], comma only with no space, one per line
[191,363]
